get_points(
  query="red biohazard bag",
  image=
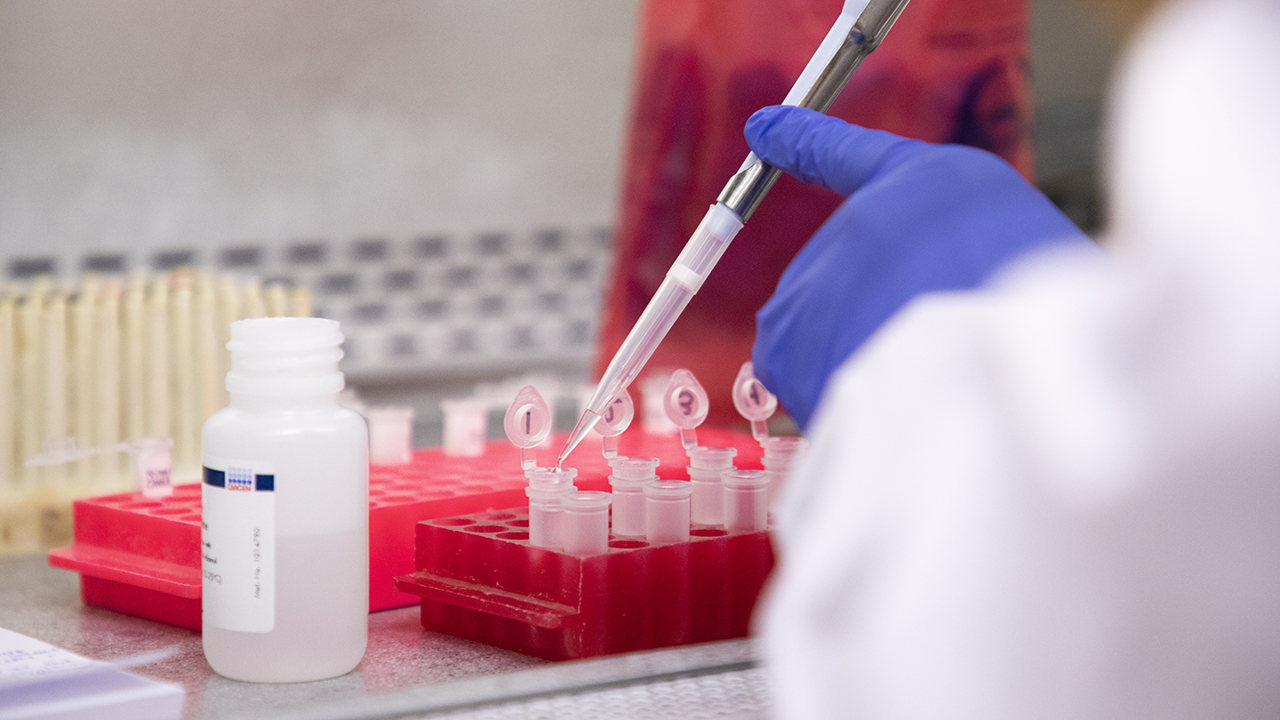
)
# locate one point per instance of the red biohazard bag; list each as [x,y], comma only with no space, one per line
[950,71]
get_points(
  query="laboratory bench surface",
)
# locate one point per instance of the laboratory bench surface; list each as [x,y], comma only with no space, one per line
[406,672]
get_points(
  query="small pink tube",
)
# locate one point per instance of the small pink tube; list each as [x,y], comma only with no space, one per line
[390,435]
[627,481]
[706,464]
[585,522]
[666,517]
[746,500]
[780,455]
[547,490]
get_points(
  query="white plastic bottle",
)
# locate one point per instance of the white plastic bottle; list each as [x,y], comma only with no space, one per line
[286,510]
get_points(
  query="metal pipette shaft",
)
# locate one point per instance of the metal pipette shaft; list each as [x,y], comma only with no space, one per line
[860,28]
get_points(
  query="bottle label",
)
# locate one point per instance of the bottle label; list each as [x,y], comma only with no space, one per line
[238,535]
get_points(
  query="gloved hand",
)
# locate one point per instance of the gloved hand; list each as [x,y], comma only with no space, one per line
[918,218]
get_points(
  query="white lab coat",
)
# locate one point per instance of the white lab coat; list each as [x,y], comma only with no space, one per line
[1059,497]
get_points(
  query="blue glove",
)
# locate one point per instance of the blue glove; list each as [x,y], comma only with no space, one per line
[918,218]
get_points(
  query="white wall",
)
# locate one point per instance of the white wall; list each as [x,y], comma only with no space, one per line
[144,123]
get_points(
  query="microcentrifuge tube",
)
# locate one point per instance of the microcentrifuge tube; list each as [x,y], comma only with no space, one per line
[627,482]
[390,434]
[746,500]
[753,401]
[466,423]
[151,465]
[687,405]
[666,516]
[780,455]
[584,522]
[614,421]
[548,488]
[706,465]
[528,423]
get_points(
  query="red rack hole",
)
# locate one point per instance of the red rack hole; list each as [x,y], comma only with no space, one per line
[140,505]
[396,499]
[171,510]
[488,528]
[628,544]
[189,518]
[514,535]
[454,522]
[495,517]
[707,532]
[518,523]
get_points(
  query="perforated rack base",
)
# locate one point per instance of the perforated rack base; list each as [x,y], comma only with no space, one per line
[480,579]
[142,557]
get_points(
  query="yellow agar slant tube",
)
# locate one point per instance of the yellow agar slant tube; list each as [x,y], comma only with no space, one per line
[55,382]
[30,380]
[107,384]
[156,379]
[83,355]
[8,456]
[185,425]
[204,316]
[133,388]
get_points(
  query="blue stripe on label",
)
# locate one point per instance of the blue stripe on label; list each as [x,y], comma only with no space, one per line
[216,478]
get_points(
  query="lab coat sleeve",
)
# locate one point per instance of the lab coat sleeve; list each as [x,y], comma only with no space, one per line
[995,521]
[1060,496]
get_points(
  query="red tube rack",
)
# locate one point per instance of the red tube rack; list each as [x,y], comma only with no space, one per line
[479,579]
[141,556]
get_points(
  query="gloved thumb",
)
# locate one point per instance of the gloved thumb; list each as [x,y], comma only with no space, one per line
[820,149]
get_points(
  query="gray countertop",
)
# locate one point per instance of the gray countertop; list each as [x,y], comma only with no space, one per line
[406,671]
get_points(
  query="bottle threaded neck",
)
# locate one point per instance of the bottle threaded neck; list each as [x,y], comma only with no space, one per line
[285,357]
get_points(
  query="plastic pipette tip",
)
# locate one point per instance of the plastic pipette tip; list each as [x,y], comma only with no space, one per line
[585,423]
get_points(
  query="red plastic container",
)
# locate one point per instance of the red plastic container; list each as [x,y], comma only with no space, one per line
[142,557]
[480,579]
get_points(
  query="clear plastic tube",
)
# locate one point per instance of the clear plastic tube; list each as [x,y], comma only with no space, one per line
[548,488]
[585,521]
[780,455]
[627,481]
[746,500]
[666,517]
[706,464]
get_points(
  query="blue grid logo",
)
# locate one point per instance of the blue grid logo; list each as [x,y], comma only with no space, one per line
[240,479]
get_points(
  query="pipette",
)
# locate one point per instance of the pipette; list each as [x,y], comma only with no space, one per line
[861,27]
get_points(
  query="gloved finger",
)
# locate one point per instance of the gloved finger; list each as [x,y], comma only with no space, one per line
[820,149]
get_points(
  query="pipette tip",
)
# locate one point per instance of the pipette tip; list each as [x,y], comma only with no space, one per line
[585,423]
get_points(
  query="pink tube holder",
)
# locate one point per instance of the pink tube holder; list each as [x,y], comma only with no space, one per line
[141,556]
[480,579]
